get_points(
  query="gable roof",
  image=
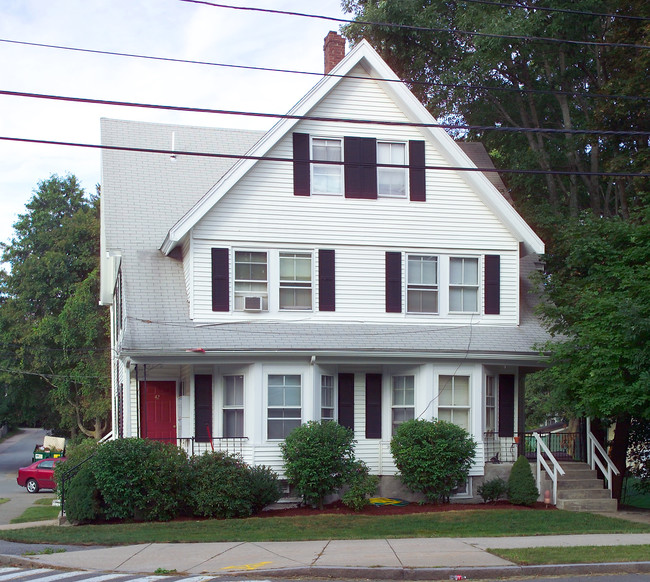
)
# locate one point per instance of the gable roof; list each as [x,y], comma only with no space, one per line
[365,56]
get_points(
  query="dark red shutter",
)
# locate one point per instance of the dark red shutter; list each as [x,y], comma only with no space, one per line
[393,282]
[373,406]
[202,408]
[220,280]
[346,400]
[506,405]
[301,170]
[360,167]
[326,280]
[492,284]
[417,175]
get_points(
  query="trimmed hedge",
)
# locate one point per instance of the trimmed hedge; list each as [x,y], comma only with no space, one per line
[522,489]
[433,457]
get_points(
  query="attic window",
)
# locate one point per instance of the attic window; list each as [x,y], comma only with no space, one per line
[391,181]
[327,178]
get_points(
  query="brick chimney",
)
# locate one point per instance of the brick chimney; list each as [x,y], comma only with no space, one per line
[334,48]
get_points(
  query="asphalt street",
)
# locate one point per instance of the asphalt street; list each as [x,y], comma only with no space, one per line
[16,451]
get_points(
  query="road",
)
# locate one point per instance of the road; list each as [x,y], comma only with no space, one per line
[47,575]
[15,452]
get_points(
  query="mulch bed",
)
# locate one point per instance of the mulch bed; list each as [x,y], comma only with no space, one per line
[337,507]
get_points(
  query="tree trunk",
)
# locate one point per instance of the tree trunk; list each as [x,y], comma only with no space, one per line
[618,453]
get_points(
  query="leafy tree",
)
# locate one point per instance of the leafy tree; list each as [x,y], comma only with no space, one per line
[55,334]
[598,308]
[433,457]
[506,76]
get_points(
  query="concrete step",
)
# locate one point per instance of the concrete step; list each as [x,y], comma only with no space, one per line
[592,505]
[564,483]
[583,494]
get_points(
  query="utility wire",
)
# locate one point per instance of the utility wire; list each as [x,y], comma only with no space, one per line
[559,10]
[314,73]
[177,153]
[455,126]
[420,28]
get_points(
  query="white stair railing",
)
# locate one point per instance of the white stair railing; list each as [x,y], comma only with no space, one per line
[554,473]
[593,447]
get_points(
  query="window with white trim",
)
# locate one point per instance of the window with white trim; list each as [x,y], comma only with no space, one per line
[403,400]
[391,181]
[327,397]
[490,404]
[284,410]
[295,281]
[453,400]
[251,281]
[463,284]
[422,284]
[233,406]
[326,178]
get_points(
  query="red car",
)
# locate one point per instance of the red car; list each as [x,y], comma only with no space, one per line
[39,475]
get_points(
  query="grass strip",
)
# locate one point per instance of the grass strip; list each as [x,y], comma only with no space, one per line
[574,555]
[41,510]
[332,526]
[3,500]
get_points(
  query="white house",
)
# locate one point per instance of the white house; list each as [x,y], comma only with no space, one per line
[340,270]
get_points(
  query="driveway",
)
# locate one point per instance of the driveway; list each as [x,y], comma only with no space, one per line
[16,451]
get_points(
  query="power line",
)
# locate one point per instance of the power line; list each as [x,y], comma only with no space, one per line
[559,10]
[420,28]
[454,126]
[291,160]
[313,73]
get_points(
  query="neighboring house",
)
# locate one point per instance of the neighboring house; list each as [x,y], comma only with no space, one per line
[251,296]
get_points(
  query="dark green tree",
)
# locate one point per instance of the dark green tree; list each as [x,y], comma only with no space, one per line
[56,364]
[597,306]
[507,75]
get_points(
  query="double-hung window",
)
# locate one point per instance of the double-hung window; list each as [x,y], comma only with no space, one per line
[463,284]
[327,397]
[403,396]
[453,400]
[251,281]
[233,406]
[391,181]
[327,178]
[295,281]
[422,284]
[284,410]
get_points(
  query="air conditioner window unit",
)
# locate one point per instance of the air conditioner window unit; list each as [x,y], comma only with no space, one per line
[252,303]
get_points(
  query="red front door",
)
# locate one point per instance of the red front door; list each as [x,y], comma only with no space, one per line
[158,410]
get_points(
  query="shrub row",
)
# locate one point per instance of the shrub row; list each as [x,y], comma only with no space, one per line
[146,480]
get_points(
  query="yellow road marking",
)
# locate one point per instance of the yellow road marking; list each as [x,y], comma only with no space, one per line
[247,566]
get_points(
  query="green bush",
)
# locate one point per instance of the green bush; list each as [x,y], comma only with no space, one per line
[264,487]
[522,489]
[433,457]
[82,501]
[492,490]
[223,485]
[362,486]
[141,479]
[318,459]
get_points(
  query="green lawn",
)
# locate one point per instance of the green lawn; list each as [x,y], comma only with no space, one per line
[575,555]
[469,523]
[40,511]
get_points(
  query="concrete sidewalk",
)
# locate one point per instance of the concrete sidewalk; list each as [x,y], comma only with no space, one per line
[412,559]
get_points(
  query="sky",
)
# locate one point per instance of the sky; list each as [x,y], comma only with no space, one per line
[161,28]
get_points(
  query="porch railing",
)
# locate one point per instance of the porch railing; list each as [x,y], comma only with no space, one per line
[544,456]
[598,457]
[565,446]
[197,446]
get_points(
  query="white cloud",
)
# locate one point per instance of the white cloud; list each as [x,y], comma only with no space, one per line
[165,28]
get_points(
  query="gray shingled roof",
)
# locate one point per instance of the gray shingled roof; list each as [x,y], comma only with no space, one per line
[145,194]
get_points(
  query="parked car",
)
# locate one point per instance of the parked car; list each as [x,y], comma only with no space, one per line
[38,475]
